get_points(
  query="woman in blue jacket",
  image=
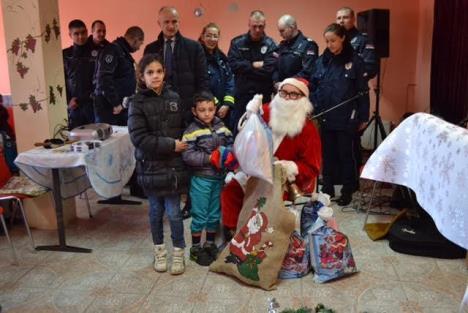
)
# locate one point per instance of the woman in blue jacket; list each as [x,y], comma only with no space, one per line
[338,76]
[221,78]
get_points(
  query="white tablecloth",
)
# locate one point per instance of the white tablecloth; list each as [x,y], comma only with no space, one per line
[430,156]
[107,169]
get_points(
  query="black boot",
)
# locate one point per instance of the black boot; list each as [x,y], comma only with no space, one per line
[345,199]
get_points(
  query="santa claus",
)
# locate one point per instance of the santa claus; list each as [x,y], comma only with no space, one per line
[296,145]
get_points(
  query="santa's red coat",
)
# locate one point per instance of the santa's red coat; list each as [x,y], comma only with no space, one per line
[304,149]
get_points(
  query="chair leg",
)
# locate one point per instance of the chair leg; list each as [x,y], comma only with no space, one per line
[13,252]
[87,204]
[369,206]
[26,224]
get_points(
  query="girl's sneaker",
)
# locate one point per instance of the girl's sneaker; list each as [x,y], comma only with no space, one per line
[178,261]
[160,258]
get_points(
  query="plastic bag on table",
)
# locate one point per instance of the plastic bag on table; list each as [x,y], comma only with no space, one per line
[253,148]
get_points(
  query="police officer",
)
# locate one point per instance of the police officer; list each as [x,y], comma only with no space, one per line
[79,70]
[97,40]
[251,57]
[346,18]
[221,78]
[115,77]
[296,53]
[339,75]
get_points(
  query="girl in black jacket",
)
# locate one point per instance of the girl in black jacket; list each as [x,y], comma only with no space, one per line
[339,75]
[155,124]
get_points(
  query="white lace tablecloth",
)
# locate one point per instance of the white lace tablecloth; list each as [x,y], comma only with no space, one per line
[430,156]
[107,169]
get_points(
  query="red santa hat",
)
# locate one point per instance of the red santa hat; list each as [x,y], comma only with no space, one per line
[300,83]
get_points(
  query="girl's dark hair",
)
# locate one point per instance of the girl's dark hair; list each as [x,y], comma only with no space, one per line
[335,28]
[146,60]
[209,25]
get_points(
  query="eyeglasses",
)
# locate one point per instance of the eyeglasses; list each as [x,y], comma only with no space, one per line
[290,95]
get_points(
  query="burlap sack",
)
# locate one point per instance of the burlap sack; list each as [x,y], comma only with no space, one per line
[256,252]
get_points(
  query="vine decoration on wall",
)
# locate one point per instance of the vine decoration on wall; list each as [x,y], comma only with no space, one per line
[22,49]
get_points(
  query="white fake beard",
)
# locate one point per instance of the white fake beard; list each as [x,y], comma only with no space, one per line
[287,117]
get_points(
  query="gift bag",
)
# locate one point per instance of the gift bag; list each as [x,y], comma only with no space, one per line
[256,252]
[253,148]
[296,263]
[330,254]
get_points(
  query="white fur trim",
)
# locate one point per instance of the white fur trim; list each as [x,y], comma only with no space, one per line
[296,83]
[241,178]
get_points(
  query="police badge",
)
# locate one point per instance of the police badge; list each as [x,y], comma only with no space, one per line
[348,65]
[108,58]
[263,49]
[94,53]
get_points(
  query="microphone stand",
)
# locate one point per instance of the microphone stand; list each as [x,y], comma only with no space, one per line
[358,95]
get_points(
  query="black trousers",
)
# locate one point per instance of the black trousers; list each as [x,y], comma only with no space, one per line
[339,160]
[103,113]
[82,115]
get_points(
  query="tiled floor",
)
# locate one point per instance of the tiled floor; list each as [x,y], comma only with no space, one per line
[118,275]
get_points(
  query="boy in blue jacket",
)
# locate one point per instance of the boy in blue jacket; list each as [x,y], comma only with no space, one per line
[208,155]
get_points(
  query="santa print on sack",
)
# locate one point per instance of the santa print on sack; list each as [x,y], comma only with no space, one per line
[242,247]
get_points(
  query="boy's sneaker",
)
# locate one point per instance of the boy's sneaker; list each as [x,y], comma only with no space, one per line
[212,250]
[200,256]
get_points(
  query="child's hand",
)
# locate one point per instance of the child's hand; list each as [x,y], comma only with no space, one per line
[180,146]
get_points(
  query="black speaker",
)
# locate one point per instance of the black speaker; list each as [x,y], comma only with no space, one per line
[376,23]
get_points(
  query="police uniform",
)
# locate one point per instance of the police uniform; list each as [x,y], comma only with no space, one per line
[79,68]
[296,57]
[249,80]
[365,50]
[115,79]
[221,80]
[337,78]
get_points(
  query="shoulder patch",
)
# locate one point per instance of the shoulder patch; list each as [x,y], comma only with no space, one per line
[109,58]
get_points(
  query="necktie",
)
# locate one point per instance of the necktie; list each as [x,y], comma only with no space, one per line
[168,61]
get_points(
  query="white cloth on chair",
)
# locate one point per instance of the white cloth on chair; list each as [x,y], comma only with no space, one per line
[430,156]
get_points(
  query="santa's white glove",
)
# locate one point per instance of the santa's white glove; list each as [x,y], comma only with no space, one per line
[255,105]
[291,169]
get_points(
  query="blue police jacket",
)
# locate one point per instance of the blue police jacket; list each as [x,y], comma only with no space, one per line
[115,74]
[337,78]
[296,57]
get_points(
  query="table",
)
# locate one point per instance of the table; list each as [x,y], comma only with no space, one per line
[430,156]
[107,169]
